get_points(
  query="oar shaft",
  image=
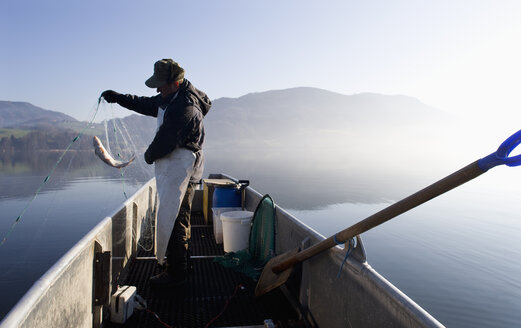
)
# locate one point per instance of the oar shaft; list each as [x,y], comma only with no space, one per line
[452,181]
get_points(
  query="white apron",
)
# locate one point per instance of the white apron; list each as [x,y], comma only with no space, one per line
[173,173]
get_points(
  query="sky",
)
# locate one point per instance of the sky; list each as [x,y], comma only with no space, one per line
[462,57]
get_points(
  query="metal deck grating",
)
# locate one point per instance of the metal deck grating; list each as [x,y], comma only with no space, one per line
[203,242]
[209,288]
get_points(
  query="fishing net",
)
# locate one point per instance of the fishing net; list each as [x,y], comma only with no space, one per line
[261,248]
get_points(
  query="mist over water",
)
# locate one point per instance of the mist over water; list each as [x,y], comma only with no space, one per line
[356,165]
[456,255]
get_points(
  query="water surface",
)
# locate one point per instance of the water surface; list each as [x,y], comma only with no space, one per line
[458,256]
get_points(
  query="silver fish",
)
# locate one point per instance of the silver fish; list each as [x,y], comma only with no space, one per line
[102,153]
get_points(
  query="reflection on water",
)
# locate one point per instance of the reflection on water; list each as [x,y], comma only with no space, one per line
[23,172]
[54,222]
[300,182]
[80,193]
[457,256]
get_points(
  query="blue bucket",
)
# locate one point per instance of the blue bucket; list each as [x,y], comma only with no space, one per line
[226,197]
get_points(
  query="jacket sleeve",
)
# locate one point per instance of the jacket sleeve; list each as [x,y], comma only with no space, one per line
[143,105]
[177,124]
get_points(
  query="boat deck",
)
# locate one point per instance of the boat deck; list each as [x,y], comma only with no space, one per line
[213,297]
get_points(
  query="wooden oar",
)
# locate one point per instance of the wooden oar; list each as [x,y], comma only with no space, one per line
[278,269]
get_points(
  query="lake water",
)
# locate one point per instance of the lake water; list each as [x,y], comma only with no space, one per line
[458,256]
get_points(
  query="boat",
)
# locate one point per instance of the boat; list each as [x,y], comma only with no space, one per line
[80,290]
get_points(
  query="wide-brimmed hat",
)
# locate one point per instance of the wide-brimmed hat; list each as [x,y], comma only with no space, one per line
[165,71]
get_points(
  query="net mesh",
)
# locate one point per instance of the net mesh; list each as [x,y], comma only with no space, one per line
[261,248]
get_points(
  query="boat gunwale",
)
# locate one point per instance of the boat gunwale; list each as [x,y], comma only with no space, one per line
[364,269]
[360,268]
[21,309]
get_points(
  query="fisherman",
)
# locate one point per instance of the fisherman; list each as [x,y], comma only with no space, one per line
[177,154]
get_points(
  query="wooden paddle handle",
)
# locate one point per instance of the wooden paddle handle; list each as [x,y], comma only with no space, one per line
[452,181]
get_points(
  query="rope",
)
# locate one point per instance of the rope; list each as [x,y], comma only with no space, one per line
[127,142]
[225,306]
[158,319]
[141,304]
[147,231]
[48,177]
[121,171]
[350,247]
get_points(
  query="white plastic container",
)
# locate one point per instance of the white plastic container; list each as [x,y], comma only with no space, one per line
[217,223]
[122,304]
[236,230]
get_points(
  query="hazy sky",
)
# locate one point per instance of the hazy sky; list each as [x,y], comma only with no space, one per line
[459,56]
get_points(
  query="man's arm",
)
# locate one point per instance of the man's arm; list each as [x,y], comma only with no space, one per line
[143,105]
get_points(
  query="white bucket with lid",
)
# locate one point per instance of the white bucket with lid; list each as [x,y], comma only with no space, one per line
[236,230]
[217,223]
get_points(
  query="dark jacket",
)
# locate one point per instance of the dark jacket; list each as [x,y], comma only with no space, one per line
[182,123]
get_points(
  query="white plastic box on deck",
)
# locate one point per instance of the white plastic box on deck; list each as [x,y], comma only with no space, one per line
[122,304]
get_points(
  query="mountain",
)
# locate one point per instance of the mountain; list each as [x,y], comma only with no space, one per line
[291,118]
[281,138]
[16,114]
[313,106]
[33,127]
[137,130]
[297,115]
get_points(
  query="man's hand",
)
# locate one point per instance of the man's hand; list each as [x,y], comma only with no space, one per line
[110,96]
[148,158]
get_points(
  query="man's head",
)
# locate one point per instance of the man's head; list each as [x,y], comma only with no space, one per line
[168,75]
